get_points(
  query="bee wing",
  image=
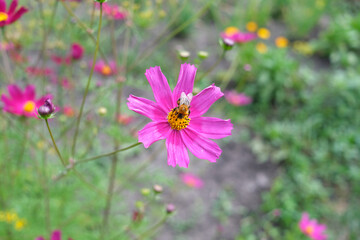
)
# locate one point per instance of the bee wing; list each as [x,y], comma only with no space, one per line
[190,96]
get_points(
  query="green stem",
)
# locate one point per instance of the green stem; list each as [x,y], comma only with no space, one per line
[84,27]
[152,229]
[147,53]
[88,85]
[72,165]
[46,194]
[53,141]
[230,72]
[212,67]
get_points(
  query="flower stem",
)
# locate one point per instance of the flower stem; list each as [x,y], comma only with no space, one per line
[212,67]
[84,27]
[54,143]
[87,86]
[152,229]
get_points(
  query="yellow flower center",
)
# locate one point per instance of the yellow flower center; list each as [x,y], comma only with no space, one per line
[231,30]
[261,47]
[29,106]
[264,33]
[281,42]
[178,119]
[19,224]
[251,26]
[309,230]
[106,70]
[3,16]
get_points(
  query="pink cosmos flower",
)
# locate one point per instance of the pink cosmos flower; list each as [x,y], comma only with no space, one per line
[125,119]
[105,69]
[6,46]
[191,180]
[56,235]
[77,51]
[312,228]
[237,99]
[68,111]
[22,103]
[113,11]
[36,71]
[11,15]
[237,36]
[172,119]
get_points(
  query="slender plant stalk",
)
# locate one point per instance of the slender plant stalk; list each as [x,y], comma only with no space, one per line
[54,143]
[88,84]
[152,230]
[212,67]
[5,57]
[229,73]
[84,27]
[149,51]
[46,194]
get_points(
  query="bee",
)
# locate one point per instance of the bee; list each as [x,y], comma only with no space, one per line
[183,103]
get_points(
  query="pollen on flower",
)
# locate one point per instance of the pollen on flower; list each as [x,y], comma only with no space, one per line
[309,230]
[29,106]
[178,120]
[106,70]
[3,16]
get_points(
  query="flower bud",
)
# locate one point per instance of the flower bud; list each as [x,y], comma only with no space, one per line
[46,110]
[157,188]
[203,55]
[145,191]
[102,111]
[183,55]
[77,51]
[170,208]
[226,43]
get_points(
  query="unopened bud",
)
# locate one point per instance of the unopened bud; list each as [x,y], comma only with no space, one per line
[145,191]
[46,110]
[226,44]
[184,55]
[203,54]
[157,188]
[170,208]
[102,111]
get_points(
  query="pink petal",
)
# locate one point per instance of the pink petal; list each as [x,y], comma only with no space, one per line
[185,81]
[204,99]
[41,100]
[147,108]
[153,131]
[29,92]
[304,221]
[18,14]
[2,5]
[176,150]
[56,235]
[40,238]
[15,92]
[200,146]
[160,87]
[12,7]
[210,127]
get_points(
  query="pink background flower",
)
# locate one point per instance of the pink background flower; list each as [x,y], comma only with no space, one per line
[11,15]
[22,103]
[312,228]
[191,180]
[237,99]
[105,69]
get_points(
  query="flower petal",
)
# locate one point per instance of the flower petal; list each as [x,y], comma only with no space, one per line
[147,108]
[210,127]
[185,81]
[160,87]
[176,150]
[12,7]
[15,92]
[153,131]
[204,99]
[18,14]
[2,5]
[200,146]
[56,235]
[29,92]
